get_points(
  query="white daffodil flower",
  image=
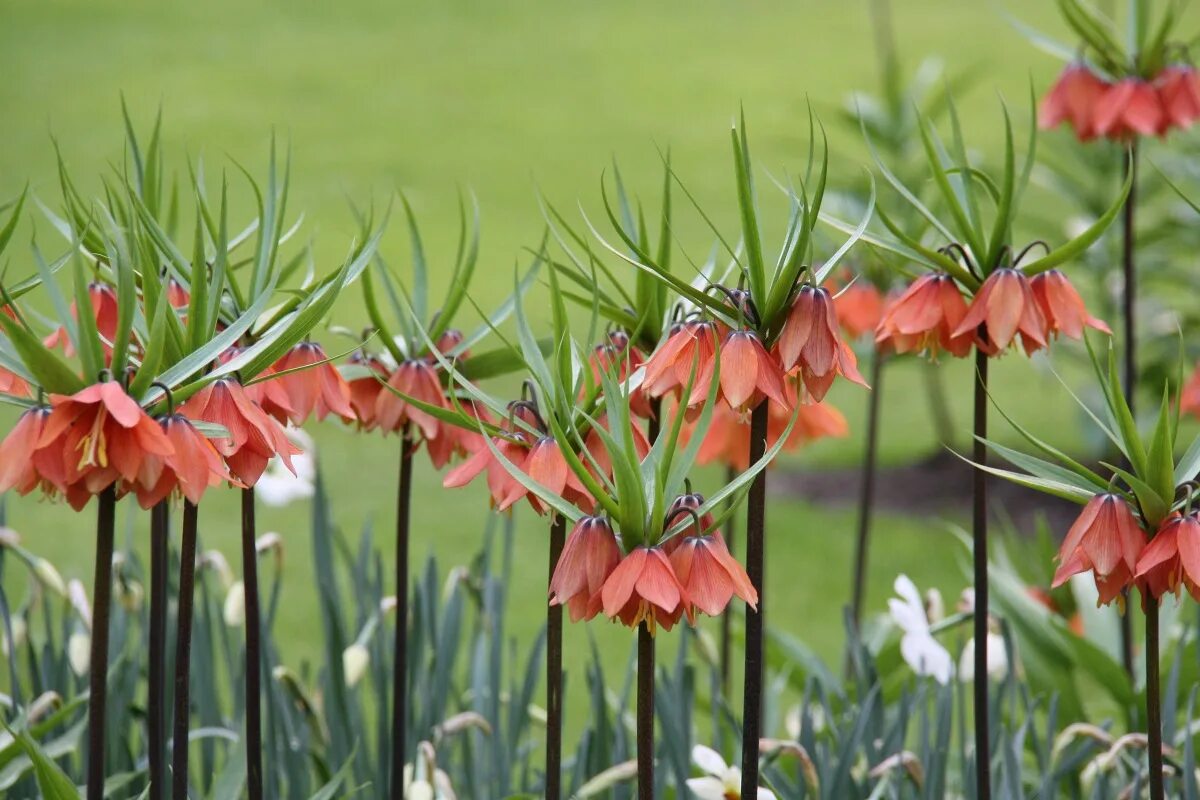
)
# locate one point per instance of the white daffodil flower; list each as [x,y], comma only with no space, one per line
[722,782]
[920,650]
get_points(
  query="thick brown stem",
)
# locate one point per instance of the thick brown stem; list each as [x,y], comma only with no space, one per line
[400,666]
[253,665]
[979,525]
[1129,319]
[867,488]
[645,713]
[106,504]
[183,653]
[554,673]
[156,700]
[756,511]
[1153,702]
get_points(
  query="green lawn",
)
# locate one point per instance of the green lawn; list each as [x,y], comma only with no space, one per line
[503,98]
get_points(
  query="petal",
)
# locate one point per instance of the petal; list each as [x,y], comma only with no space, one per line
[708,760]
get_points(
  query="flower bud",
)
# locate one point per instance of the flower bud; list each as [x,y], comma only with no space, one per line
[9,537]
[79,601]
[19,629]
[49,577]
[355,660]
[79,652]
[234,610]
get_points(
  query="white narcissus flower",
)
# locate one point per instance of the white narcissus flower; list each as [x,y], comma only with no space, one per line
[234,610]
[278,486]
[79,652]
[722,782]
[997,658]
[920,650]
[355,660]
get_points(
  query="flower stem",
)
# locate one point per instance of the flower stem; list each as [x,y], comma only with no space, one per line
[645,713]
[254,777]
[400,665]
[156,718]
[183,653]
[1153,702]
[979,525]
[867,487]
[727,618]
[98,663]
[1129,319]
[752,679]
[554,673]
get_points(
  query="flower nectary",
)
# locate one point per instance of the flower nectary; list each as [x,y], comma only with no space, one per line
[1106,539]
[589,556]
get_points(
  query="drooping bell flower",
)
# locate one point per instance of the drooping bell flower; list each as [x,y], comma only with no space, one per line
[101,436]
[749,374]
[1006,305]
[446,342]
[1130,107]
[1061,305]
[452,441]
[268,393]
[23,467]
[1106,540]
[643,588]
[710,575]
[1171,560]
[619,357]
[545,464]
[1189,395]
[514,446]
[924,318]
[727,440]
[104,310]
[177,296]
[416,378]
[670,367]
[589,556]
[600,460]
[194,466]
[859,308]
[809,341]
[316,388]
[1074,99]
[1179,90]
[254,437]
[364,391]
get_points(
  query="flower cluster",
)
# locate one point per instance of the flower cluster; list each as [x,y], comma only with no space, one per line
[1094,106]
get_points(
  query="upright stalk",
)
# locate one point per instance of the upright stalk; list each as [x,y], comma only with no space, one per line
[554,674]
[98,663]
[155,705]
[1153,702]
[979,525]
[867,488]
[254,775]
[1129,320]
[183,653]
[727,618]
[400,666]
[752,679]
[645,712]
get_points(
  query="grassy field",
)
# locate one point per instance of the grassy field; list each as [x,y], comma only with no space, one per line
[504,99]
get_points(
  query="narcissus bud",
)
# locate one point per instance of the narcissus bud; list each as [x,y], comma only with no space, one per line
[355,660]
[234,610]
[49,577]
[79,652]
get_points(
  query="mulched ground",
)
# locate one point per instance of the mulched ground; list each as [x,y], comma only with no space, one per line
[936,486]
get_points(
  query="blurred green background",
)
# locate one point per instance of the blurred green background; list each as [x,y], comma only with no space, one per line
[506,99]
